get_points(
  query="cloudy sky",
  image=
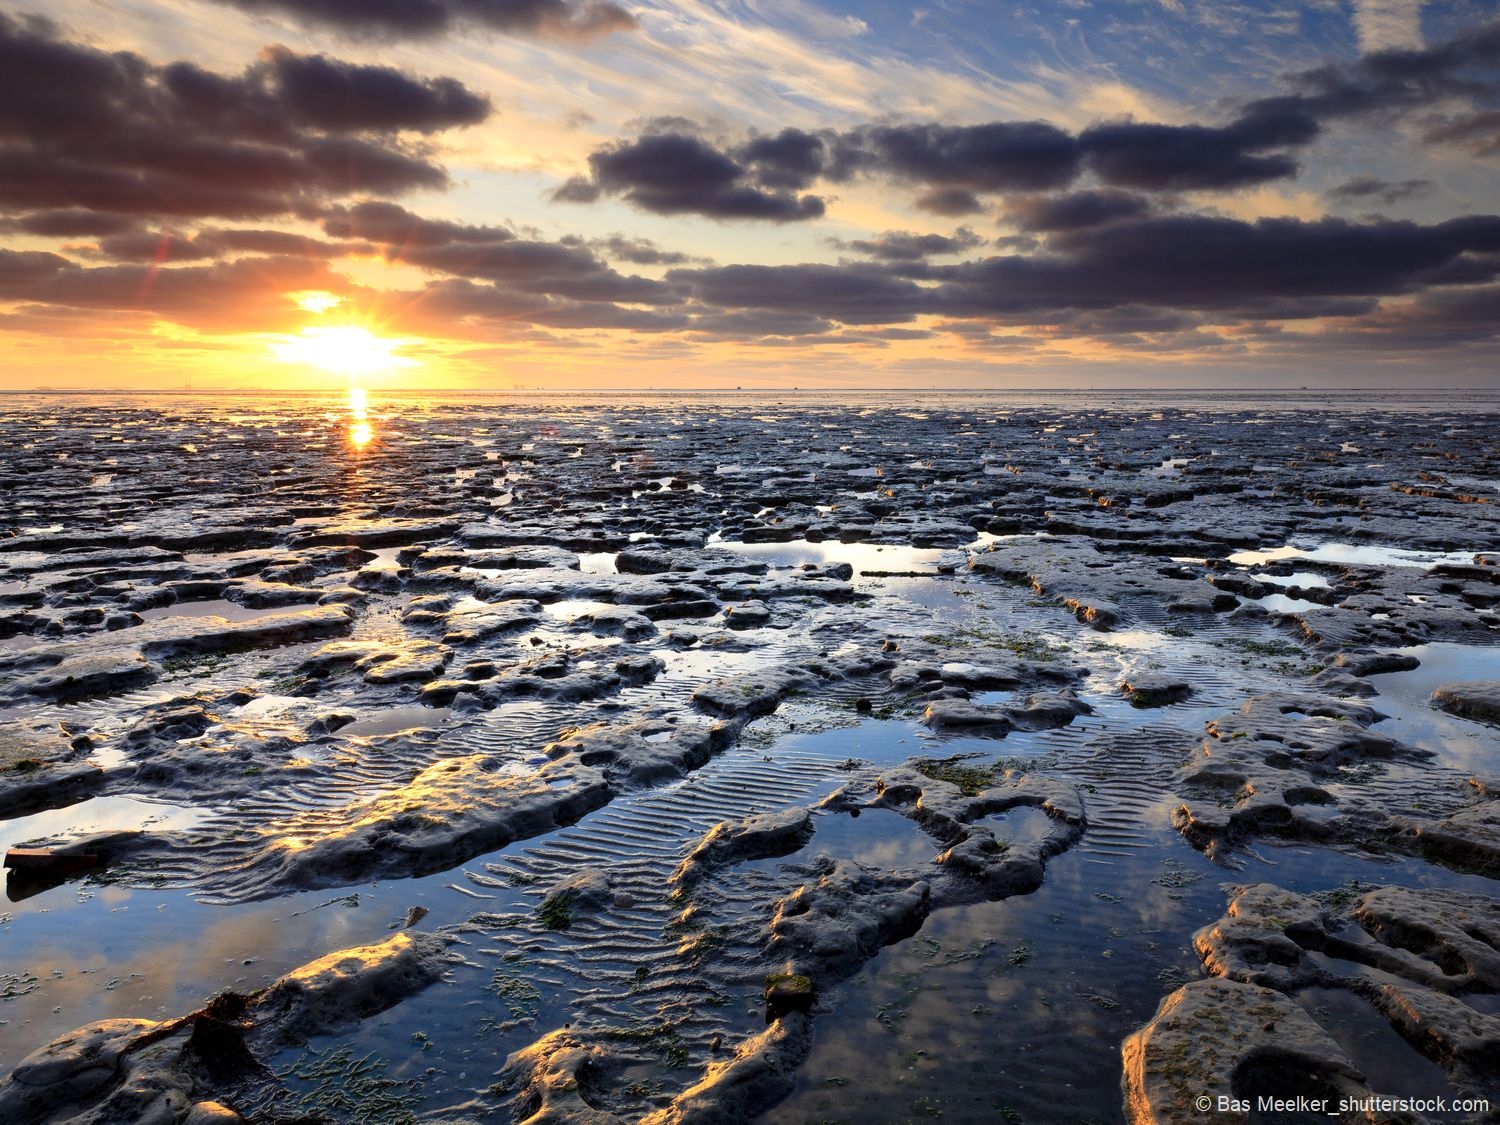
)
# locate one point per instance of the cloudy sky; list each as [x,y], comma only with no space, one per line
[754,193]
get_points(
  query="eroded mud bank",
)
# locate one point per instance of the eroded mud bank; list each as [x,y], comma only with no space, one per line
[709,761]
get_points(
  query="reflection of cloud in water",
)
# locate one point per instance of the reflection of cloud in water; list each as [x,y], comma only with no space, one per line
[1405,697]
[1356,555]
[158,955]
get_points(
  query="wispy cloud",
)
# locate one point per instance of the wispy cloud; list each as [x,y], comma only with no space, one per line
[1387,25]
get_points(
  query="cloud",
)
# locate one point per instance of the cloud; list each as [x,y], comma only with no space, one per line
[1465,68]
[1362,188]
[73,223]
[671,173]
[420,19]
[1200,157]
[87,130]
[247,295]
[1194,262]
[1070,212]
[900,245]
[951,202]
[673,169]
[161,247]
[324,93]
[997,156]
[495,254]
[1477,132]
[1384,25]
[1147,270]
[642,252]
[850,294]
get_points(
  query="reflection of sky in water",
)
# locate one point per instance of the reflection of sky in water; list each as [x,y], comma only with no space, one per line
[1307,579]
[876,837]
[393,719]
[597,562]
[1280,603]
[1406,697]
[861,556]
[217,607]
[1360,555]
[1390,1066]
[101,814]
[1036,992]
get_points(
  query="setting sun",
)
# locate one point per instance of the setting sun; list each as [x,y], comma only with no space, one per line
[344,350]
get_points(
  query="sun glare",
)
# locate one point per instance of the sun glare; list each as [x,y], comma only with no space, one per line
[316,300]
[361,433]
[345,350]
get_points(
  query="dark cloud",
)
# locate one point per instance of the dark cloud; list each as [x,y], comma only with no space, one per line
[1196,262]
[1477,132]
[642,252]
[336,96]
[243,296]
[155,246]
[22,270]
[756,323]
[678,173]
[999,156]
[88,130]
[163,247]
[576,189]
[851,294]
[900,245]
[1070,212]
[567,269]
[71,224]
[1465,67]
[1371,188]
[1148,274]
[671,168]
[1189,157]
[952,202]
[791,160]
[395,226]
[386,19]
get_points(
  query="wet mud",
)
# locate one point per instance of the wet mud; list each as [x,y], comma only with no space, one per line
[692,761]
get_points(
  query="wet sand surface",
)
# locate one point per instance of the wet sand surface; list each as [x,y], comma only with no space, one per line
[699,760]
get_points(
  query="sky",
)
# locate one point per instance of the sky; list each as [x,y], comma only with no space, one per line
[675,194]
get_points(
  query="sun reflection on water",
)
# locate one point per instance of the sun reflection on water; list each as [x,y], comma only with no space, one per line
[361,432]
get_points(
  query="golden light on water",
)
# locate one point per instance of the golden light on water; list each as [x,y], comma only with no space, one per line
[361,433]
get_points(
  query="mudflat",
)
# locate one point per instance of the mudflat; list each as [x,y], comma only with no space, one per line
[704,760]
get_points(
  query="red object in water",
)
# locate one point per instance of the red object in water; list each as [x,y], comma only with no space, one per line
[50,862]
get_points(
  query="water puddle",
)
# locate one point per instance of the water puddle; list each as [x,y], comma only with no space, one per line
[1280,603]
[1355,555]
[218,607]
[100,814]
[863,557]
[1406,697]
[1306,579]
[880,742]
[1023,827]
[1389,1063]
[597,562]
[396,719]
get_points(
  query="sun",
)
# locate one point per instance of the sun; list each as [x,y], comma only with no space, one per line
[342,350]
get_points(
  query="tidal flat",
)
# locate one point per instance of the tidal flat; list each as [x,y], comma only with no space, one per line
[726,758]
